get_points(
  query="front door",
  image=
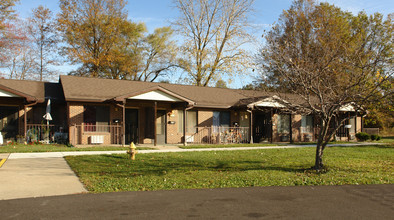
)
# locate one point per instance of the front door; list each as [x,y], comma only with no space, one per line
[131,126]
[161,127]
[262,127]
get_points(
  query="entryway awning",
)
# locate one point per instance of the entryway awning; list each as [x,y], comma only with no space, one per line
[156,93]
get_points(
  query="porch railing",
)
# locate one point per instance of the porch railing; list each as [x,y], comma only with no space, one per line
[219,135]
[307,129]
[39,132]
[83,134]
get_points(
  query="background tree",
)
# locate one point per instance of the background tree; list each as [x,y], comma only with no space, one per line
[144,57]
[6,11]
[101,38]
[331,59]
[221,84]
[6,14]
[91,29]
[214,32]
[18,56]
[42,31]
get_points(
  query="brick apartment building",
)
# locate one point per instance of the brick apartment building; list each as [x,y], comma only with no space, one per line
[106,111]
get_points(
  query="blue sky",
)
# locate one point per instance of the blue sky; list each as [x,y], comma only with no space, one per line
[158,13]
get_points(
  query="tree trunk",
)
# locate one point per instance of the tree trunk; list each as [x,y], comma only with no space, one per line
[319,157]
[320,145]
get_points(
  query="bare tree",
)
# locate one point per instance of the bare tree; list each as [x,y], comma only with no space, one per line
[42,31]
[214,32]
[332,60]
[18,57]
[7,13]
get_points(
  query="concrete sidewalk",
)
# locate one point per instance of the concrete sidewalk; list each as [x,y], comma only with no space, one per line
[37,177]
[163,150]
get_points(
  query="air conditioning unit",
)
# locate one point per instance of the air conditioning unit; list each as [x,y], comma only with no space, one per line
[97,139]
[189,139]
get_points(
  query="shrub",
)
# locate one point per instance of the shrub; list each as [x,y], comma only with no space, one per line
[374,137]
[378,137]
[362,136]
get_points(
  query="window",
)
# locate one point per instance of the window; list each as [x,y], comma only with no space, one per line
[307,124]
[283,124]
[221,119]
[96,118]
[244,120]
[191,121]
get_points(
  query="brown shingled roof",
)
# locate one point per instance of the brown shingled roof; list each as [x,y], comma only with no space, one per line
[99,90]
[32,90]
[94,89]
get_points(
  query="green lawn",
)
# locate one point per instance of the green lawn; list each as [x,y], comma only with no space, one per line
[279,167]
[388,139]
[21,148]
[227,145]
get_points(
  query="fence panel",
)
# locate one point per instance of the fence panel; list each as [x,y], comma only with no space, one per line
[371,130]
[39,132]
[219,135]
[83,132]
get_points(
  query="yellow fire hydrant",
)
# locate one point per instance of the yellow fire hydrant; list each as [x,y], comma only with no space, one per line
[132,151]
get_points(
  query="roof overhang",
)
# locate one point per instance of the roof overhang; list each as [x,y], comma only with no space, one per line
[271,102]
[347,108]
[156,93]
[8,92]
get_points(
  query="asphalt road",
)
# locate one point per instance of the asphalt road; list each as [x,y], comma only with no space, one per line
[302,202]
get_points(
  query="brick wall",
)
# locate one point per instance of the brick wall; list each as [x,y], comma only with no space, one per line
[174,136]
[205,118]
[296,127]
[77,135]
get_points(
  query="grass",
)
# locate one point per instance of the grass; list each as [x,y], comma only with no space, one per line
[227,145]
[21,148]
[279,167]
[388,139]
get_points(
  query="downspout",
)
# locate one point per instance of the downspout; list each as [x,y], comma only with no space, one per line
[251,123]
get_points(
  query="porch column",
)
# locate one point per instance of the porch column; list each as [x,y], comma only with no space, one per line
[355,123]
[348,129]
[124,123]
[272,130]
[184,127]
[25,121]
[154,123]
[251,126]
[291,128]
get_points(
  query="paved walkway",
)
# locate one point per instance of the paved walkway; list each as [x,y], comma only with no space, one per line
[300,202]
[37,177]
[161,150]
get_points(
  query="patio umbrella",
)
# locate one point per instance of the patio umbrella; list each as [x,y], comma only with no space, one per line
[47,115]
